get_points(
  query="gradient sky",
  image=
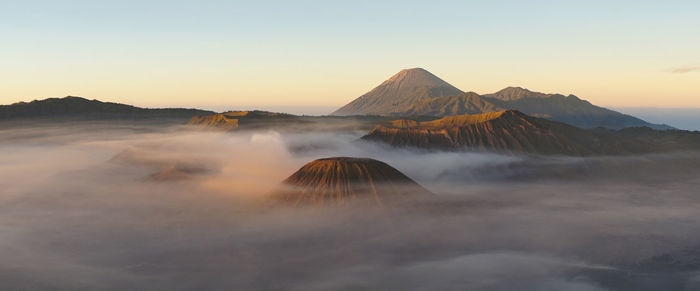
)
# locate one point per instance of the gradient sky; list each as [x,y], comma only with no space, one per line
[233,54]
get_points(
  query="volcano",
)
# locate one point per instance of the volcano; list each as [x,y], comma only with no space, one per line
[399,93]
[341,180]
[417,92]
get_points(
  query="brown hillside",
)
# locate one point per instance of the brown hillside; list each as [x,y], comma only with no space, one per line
[417,92]
[341,179]
[506,131]
[218,121]
[236,119]
[463,103]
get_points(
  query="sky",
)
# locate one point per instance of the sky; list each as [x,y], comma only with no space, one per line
[322,54]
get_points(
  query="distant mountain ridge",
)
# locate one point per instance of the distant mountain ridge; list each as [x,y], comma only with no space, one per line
[568,109]
[416,91]
[72,107]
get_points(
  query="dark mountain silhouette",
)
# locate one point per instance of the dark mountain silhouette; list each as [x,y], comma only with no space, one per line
[416,92]
[399,93]
[341,180]
[77,108]
[506,131]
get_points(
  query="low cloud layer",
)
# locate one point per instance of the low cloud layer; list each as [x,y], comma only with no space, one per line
[79,212]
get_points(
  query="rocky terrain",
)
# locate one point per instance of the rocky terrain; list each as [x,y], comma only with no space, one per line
[506,131]
[249,119]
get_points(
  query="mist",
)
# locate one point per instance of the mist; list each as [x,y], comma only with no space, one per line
[687,118]
[80,210]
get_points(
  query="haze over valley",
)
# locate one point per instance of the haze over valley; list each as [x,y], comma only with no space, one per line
[121,197]
[94,216]
[349,145]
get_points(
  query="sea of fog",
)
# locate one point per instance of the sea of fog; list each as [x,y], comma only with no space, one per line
[79,211]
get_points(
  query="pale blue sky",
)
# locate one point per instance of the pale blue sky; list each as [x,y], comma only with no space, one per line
[326,53]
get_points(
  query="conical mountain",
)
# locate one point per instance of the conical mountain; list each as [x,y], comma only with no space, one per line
[399,93]
[343,179]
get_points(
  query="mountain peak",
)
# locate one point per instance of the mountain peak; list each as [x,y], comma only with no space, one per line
[515,93]
[415,78]
[514,90]
[399,93]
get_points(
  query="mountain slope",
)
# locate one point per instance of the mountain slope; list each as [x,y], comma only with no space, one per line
[463,103]
[568,109]
[80,108]
[417,92]
[506,131]
[398,94]
[515,93]
[341,180]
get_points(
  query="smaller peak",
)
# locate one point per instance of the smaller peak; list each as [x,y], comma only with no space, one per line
[62,99]
[471,93]
[515,93]
[340,180]
[80,98]
[514,89]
